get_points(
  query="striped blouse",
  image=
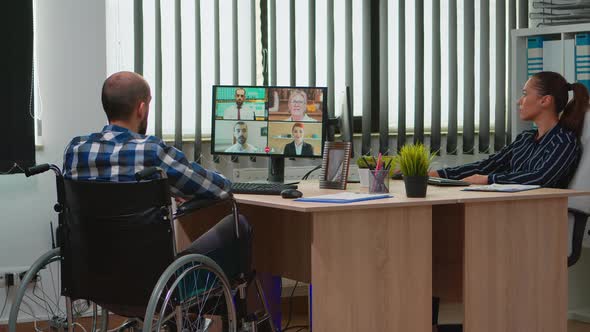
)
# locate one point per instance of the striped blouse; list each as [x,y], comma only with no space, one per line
[549,162]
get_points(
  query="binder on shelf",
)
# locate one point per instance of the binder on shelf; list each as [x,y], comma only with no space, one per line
[582,58]
[534,55]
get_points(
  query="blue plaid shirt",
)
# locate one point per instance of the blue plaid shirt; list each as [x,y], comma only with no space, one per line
[116,154]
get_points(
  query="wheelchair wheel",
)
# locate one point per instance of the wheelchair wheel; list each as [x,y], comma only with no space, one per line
[193,294]
[38,300]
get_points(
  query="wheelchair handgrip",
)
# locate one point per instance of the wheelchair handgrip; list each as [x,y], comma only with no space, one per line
[34,170]
[146,173]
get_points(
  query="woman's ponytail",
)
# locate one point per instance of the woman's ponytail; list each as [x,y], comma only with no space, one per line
[572,117]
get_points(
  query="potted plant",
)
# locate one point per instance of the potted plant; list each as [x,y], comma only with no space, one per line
[414,162]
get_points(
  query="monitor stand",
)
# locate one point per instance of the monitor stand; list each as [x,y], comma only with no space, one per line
[276,169]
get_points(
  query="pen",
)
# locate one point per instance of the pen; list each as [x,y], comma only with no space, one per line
[366,162]
[378,167]
[388,164]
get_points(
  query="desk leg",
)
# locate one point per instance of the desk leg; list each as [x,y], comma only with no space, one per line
[372,270]
[515,275]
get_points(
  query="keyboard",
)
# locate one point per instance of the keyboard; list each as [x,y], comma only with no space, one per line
[447,182]
[260,188]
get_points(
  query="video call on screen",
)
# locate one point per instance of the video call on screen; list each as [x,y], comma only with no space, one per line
[268,120]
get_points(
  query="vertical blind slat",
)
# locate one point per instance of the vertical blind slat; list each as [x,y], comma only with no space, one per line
[292,53]
[235,55]
[216,52]
[436,120]
[511,25]
[383,78]
[330,55]
[366,78]
[253,71]
[272,16]
[216,43]
[419,70]
[523,13]
[177,76]
[468,77]
[500,113]
[158,71]
[264,32]
[452,125]
[484,77]
[311,47]
[198,85]
[138,35]
[348,72]
[401,78]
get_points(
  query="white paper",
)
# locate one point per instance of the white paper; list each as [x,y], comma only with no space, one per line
[502,187]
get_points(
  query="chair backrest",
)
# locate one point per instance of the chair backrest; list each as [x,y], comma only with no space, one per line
[116,240]
[581,179]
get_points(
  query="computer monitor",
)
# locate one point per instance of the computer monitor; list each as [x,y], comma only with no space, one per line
[343,123]
[271,121]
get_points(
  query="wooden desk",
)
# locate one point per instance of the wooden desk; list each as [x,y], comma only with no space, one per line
[375,265]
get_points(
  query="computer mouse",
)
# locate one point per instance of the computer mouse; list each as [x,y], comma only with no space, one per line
[397,176]
[291,193]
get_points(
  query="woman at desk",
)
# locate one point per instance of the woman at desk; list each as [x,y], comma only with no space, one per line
[546,156]
[298,147]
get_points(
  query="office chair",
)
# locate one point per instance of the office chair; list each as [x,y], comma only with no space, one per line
[116,249]
[579,207]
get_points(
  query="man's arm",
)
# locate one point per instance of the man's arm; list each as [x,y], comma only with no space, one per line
[189,178]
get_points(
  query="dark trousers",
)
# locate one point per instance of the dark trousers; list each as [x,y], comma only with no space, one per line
[234,255]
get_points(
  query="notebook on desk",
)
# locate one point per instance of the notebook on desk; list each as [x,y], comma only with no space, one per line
[343,198]
[507,188]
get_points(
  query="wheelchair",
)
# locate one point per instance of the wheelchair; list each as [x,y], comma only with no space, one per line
[116,251]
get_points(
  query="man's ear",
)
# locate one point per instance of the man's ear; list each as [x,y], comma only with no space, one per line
[141,109]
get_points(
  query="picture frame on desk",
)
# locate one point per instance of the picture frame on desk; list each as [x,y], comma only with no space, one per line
[335,165]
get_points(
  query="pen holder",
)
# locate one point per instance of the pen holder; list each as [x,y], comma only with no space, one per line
[364,176]
[379,181]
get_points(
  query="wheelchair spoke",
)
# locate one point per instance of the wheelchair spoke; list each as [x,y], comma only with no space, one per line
[45,303]
[49,301]
[55,292]
[47,297]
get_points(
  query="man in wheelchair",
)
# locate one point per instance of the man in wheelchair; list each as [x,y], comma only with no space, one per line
[122,149]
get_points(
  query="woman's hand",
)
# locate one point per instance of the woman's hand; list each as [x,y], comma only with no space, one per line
[476,179]
[433,174]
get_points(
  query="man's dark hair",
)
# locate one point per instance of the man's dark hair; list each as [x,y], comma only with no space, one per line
[121,93]
[241,123]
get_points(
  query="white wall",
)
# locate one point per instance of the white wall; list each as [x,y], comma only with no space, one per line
[71,66]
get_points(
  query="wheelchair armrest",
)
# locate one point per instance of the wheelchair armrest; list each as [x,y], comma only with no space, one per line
[580,219]
[196,204]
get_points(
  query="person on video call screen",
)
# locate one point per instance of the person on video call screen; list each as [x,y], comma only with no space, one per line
[239,111]
[297,105]
[298,147]
[240,138]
